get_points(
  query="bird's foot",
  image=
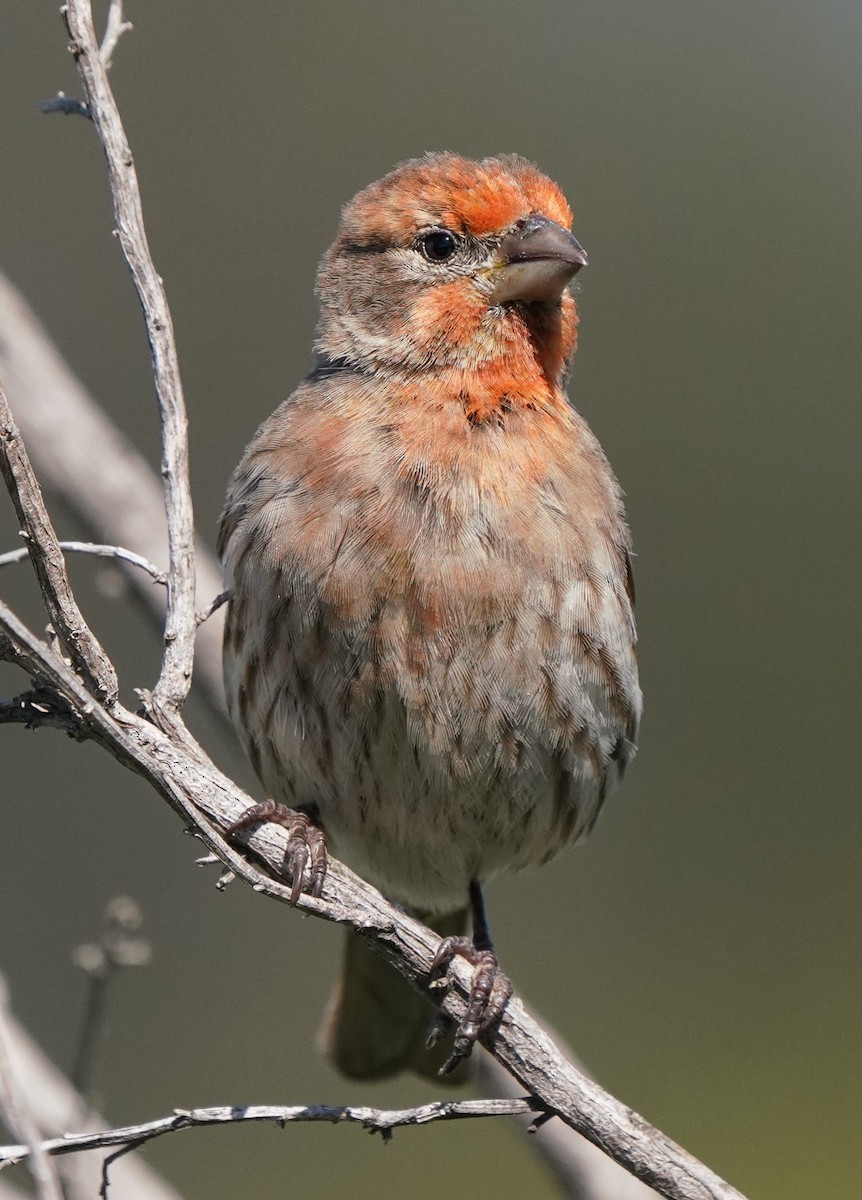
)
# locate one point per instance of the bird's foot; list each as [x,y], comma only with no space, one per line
[305,856]
[490,990]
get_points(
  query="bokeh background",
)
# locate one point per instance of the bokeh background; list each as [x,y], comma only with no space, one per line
[702,950]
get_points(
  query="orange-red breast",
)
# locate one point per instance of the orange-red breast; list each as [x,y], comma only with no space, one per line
[430,644]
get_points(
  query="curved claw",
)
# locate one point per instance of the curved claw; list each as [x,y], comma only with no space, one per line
[317,847]
[297,858]
[490,990]
[306,844]
[446,951]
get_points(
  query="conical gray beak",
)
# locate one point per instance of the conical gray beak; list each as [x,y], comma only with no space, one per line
[537,259]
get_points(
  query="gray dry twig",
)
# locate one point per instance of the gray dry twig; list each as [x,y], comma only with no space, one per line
[115,27]
[75,635]
[175,677]
[374,1120]
[99,550]
[83,458]
[117,946]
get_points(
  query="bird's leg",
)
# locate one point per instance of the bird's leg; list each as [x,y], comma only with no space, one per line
[306,843]
[490,988]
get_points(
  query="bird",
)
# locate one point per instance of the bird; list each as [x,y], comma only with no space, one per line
[430,646]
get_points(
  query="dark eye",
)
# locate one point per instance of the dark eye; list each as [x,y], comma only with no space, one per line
[437,245]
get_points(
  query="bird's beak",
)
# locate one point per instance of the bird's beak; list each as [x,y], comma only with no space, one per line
[535,261]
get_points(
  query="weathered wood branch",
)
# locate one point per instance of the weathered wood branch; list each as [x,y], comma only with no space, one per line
[375,1120]
[83,458]
[174,680]
[206,799]
[44,548]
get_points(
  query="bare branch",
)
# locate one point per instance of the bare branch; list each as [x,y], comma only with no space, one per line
[115,27]
[56,1107]
[375,1120]
[212,607]
[98,550]
[75,635]
[581,1170]
[98,473]
[41,709]
[175,678]
[104,480]
[17,1116]
[195,788]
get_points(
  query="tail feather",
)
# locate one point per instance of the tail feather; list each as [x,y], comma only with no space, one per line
[377,1024]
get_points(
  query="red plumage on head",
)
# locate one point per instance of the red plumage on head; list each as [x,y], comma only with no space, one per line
[469,196]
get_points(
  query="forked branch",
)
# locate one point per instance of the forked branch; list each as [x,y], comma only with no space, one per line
[43,545]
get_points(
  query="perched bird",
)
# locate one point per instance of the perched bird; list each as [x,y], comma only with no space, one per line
[430,644]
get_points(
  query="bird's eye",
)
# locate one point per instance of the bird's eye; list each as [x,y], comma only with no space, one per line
[437,245]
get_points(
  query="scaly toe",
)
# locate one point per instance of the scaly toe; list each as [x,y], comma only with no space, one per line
[305,857]
[490,990]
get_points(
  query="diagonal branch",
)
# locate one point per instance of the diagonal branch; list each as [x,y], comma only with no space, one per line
[175,678]
[86,653]
[17,1115]
[197,790]
[81,456]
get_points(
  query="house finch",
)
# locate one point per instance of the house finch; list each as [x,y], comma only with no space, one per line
[430,645]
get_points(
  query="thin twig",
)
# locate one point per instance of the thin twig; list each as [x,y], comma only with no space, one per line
[86,653]
[111,1159]
[195,788]
[212,607]
[115,27]
[99,551]
[375,1120]
[16,1114]
[175,677]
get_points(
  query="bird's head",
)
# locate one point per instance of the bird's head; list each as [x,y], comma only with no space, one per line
[455,266]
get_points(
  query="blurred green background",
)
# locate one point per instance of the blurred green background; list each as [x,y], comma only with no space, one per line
[702,950]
